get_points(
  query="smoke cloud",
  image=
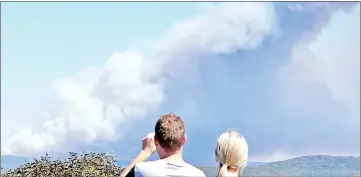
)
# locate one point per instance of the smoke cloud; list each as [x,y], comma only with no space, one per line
[131,85]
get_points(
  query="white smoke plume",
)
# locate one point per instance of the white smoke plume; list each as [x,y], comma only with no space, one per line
[131,85]
[333,60]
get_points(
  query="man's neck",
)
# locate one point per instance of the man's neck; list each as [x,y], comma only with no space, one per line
[174,158]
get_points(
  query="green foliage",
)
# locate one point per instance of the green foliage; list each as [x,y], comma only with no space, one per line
[79,165]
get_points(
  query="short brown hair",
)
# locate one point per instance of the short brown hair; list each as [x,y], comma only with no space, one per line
[170,131]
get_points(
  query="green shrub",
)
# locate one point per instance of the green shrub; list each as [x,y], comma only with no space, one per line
[76,165]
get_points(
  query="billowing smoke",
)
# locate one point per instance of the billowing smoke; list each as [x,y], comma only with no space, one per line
[130,85]
[333,60]
[321,83]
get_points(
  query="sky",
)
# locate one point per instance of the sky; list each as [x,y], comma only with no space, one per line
[96,76]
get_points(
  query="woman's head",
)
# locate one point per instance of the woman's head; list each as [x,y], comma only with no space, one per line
[231,153]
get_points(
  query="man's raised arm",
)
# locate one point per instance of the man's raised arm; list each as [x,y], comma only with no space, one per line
[148,149]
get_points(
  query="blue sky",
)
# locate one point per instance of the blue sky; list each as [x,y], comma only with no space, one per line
[96,76]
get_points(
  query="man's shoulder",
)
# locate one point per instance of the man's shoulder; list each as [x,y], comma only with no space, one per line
[196,171]
[149,165]
[149,168]
[159,166]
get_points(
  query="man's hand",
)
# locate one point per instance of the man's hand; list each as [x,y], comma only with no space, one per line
[148,143]
[147,150]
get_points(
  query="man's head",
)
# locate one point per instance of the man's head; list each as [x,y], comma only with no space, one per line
[169,134]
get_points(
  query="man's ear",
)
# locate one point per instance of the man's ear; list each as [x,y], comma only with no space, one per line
[156,140]
[184,139]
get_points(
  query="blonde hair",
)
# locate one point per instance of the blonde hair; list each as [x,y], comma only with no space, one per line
[231,151]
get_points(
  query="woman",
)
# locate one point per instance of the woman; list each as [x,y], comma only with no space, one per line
[231,154]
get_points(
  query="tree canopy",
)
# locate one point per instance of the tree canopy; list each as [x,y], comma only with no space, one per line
[79,165]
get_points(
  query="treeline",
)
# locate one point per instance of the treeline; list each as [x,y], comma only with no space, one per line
[75,165]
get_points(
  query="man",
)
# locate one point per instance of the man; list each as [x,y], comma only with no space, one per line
[168,140]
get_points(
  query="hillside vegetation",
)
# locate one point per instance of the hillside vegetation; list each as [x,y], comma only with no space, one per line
[79,165]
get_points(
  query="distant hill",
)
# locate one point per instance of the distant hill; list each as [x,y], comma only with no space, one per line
[319,165]
[253,164]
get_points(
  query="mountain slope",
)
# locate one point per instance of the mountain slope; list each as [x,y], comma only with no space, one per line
[319,165]
[303,166]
